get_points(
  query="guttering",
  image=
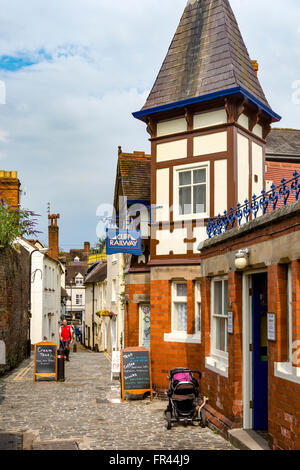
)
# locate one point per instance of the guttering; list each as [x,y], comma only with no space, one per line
[209,97]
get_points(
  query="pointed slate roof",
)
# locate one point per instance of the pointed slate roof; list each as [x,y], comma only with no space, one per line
[207,55]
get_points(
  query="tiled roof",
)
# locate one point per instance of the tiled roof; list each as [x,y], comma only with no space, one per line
[285,142]
[98,274]
[276,171]
[207,55]
[72,269]
[135,175]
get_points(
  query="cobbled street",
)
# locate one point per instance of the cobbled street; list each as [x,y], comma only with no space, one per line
[85,412]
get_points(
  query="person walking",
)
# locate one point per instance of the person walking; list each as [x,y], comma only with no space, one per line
[77,332]
[66,334]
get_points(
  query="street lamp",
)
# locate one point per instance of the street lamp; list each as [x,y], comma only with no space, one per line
[43,251]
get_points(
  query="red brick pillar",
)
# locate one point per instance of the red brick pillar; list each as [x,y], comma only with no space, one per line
[277,303]
[235,344]
[296,312]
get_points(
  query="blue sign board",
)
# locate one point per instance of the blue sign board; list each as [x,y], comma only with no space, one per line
[123,241]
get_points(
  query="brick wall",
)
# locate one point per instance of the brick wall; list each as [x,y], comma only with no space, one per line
[132,313]
[168,355]
[284,396]
[225,393]
[14,292]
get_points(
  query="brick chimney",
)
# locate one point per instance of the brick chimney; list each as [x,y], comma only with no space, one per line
[10,188]
[87,247]
[53,236]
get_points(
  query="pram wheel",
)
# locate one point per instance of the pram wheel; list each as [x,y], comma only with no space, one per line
[203,419]
[168,418]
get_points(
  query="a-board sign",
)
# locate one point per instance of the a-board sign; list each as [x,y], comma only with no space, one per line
[45,360]
[136,371]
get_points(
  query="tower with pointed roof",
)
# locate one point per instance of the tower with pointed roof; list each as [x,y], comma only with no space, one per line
[208,119]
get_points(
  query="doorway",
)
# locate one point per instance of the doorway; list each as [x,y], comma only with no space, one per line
[255,351]
[260,350]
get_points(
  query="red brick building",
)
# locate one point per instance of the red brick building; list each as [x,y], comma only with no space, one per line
[250,354]
[211,148]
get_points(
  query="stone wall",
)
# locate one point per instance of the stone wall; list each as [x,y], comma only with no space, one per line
[14,292]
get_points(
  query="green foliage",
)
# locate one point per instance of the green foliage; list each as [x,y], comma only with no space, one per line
[101,244]
[15,223]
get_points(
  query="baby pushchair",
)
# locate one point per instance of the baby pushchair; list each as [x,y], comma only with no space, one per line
[183,398]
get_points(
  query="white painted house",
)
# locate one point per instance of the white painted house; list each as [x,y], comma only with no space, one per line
[46,283]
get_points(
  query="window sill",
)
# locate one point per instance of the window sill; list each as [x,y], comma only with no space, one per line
[182,337]
[286,371]
[217,365]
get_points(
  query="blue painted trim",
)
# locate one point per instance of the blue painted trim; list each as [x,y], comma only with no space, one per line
[131,202]
[210,96]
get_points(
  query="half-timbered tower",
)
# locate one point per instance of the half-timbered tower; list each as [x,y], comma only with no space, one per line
[208,119]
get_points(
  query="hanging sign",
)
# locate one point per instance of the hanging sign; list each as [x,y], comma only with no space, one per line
[271,327]
[45,360]
[136,371]
[123,241]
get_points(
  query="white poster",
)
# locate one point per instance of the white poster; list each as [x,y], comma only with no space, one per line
[116,362]
[271,327]
[230,323]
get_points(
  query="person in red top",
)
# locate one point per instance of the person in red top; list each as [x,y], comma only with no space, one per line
[66,337]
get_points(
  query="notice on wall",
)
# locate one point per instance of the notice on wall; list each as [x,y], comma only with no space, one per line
[230,323]
[136,371]
[271,327]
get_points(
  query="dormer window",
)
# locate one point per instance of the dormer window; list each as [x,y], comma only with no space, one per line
[79,280]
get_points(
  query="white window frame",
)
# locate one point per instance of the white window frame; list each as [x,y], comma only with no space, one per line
[176,299]
[79,297]
[197,302]
[286,370]
[214,351]
[181,168]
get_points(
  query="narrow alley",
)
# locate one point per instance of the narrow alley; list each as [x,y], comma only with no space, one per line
[85,413]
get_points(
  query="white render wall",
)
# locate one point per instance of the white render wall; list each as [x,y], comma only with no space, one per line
[45,296]
[171,150]
[243,168]
[172,126]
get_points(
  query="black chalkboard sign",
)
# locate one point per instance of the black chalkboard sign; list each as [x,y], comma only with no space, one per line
[45,360]
[136,371]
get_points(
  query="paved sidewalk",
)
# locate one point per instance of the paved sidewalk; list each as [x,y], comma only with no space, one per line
[85,412]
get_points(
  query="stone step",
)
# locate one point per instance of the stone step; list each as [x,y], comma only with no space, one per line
[247,439]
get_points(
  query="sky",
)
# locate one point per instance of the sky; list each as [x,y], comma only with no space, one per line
[73,71]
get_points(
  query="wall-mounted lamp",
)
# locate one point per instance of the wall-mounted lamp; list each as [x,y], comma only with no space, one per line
[242,259]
